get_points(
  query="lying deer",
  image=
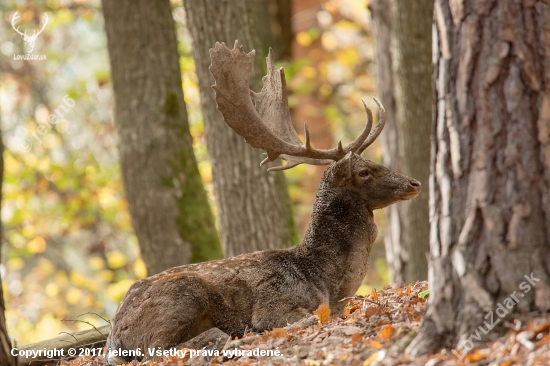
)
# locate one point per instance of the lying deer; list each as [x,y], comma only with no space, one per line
[271,288]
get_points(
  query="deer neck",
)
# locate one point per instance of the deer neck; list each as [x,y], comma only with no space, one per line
[336,248]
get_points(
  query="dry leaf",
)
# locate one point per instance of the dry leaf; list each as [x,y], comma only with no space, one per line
[323,313]
[386,332]
[350,309]
[356,337]
[279,333]
[371,310]
[374,295]
[376,345]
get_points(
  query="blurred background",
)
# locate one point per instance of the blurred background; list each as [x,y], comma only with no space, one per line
[69,247]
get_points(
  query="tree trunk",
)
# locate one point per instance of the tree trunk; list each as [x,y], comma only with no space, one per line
[490,198]
[253,205]
[5,343]
[169,206]
[404,74]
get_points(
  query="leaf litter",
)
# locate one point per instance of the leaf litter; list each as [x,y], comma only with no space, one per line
[373,331]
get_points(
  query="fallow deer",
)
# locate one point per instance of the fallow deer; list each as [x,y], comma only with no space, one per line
[271,288]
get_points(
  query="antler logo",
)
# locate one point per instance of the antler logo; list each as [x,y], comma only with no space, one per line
[29,39]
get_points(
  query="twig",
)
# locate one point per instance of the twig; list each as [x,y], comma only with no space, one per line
[85,322]
[70,334]
[96,314]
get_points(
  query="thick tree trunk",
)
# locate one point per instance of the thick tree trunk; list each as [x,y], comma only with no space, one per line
[5,343]
[169,206]
[404,74]
[253,205]
[490,197]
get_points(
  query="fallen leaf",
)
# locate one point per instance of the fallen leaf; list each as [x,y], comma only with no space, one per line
[376,344]
[356,337]
[323,313]
[386,332]
[279,333]
[371,310]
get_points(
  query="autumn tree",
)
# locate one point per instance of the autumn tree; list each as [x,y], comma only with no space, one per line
[253,205]
[402,33]
[167,201]
[5,342]
[490,199]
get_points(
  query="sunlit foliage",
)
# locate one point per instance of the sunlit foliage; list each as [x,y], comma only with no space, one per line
[69,247]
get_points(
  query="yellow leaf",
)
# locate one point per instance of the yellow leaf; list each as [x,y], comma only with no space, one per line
[378,356]
[73,296]
[303,39]
[36,245]
[323,313]
[116,259]
[96,263]
[139,269]
[116,291]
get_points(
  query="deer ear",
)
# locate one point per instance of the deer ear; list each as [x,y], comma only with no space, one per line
[341,172]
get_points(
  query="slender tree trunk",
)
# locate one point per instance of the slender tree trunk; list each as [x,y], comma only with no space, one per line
[490,198]
[5,343]
[381,13]
[402,32]
[169,206]
[253,205]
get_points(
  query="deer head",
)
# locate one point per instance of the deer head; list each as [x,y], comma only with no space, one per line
[29,39]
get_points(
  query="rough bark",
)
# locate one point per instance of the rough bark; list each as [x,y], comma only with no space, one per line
[5,343]
[404,74]
[490,199]
[169,206]
[253,205]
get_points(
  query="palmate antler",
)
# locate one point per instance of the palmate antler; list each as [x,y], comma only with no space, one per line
[263,118]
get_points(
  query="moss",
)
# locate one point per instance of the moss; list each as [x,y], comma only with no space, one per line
[195,221]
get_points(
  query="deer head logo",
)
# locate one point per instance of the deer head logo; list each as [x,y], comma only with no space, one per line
[29,39]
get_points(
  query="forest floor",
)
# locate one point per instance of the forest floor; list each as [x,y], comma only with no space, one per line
[374,330]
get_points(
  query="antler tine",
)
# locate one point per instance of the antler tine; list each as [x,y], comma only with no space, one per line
[379,126]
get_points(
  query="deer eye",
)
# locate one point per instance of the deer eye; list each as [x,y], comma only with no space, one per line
[364,173]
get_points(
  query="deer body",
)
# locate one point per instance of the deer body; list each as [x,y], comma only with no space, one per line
[273,288]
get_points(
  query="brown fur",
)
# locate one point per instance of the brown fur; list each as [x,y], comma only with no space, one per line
[267,289]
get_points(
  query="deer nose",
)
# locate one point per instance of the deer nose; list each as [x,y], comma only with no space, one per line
[416,184]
